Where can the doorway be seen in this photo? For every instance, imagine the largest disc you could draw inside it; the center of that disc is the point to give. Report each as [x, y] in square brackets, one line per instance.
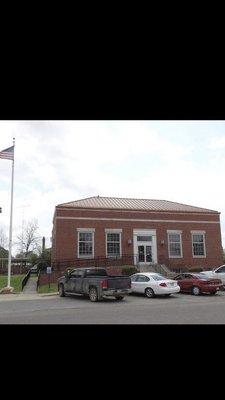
[145, 249]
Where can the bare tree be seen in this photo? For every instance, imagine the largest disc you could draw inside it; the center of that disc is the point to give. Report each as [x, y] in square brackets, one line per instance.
[29, 238]
[3, 239]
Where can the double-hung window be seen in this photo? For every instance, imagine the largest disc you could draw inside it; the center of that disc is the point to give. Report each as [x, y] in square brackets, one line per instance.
[198, 244]
[113, 243]
[85, 243]
[175, 244]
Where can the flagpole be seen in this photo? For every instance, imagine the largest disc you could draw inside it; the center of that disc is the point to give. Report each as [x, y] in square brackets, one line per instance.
[11, 219]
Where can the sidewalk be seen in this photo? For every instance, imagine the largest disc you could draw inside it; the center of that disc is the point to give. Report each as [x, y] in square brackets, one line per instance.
[28, 296]
[31, 285]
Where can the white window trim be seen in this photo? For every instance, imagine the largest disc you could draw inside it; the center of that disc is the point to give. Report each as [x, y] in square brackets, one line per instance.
[88, 230]
[181, 243]
[143, 232]
[107, 230]
[119, 231]
[204, 246]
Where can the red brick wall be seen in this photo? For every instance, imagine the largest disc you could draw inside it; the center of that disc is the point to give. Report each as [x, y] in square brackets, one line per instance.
[65, 238]
[45, 278]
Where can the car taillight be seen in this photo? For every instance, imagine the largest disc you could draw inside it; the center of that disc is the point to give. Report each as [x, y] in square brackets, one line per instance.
[163, 284]
[104, 284]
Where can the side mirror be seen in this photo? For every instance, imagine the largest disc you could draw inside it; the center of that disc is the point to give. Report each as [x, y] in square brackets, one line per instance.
[67, 275]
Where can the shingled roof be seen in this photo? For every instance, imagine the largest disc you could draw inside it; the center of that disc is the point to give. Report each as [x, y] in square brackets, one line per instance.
[133, 204]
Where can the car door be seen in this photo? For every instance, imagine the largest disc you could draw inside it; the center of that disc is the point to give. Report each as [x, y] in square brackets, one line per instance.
[188, 282]
[79, 281]
[220, 273]
[71, 283]
[180, 281]
[141, 283]
[134, 283]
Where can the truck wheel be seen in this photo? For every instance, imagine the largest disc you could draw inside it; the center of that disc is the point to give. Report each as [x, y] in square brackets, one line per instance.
[93, 294]
[119, 297]
[61, 290]
[196, 291]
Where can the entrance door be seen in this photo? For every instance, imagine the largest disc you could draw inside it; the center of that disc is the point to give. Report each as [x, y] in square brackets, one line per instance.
[145, 248]
[144, 253]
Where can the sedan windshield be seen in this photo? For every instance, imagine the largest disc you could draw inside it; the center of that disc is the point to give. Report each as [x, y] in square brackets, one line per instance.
[158, 277]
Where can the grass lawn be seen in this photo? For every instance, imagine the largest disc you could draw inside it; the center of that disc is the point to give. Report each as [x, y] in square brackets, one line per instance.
[15, 282]
[46, 289]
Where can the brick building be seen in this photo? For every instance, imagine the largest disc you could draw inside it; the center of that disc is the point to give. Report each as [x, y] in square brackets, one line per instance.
[143, 230]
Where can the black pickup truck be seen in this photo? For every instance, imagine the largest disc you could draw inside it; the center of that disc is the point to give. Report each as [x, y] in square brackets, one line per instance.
[95, 283]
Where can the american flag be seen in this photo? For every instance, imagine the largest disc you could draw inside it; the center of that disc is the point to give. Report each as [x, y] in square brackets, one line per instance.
[7, 153]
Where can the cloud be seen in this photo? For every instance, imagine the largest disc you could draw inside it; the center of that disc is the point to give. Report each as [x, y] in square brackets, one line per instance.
[61, 161]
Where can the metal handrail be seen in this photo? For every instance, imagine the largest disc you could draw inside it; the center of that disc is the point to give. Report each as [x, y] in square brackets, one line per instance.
[130, 259]
[25, 279]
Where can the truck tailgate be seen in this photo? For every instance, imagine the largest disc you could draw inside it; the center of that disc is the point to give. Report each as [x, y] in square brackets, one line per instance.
[119, 282]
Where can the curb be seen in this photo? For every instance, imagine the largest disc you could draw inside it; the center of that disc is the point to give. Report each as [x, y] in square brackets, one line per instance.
[48, 294]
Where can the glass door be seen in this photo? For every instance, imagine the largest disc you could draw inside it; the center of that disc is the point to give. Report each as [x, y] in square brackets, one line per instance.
[144, 253]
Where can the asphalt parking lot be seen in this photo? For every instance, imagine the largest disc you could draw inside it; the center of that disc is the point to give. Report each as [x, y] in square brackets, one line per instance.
[134, 309]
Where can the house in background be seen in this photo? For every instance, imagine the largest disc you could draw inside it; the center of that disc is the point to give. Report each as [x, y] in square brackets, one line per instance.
[144, 231]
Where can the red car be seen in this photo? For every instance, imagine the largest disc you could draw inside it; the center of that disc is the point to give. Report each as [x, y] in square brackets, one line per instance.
[197, 284]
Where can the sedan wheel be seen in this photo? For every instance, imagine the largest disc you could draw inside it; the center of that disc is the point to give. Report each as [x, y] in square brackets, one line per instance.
[149, 293]
[196, 291]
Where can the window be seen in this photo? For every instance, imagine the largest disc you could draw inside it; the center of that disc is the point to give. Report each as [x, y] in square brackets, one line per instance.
[86, 248]
[96, 272]
[113, 244]
[178, 277]
[188, 276]
[144, 238]
[220, 270]
[76, 274]
[134, 278]
[198, 244]
[158, 277]
[174, 244]
[142, 278]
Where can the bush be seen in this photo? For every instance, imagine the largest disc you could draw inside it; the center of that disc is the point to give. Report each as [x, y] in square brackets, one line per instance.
[129, 271]
[195, 269]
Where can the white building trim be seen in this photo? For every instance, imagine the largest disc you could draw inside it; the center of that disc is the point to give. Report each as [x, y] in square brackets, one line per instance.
[139, 220]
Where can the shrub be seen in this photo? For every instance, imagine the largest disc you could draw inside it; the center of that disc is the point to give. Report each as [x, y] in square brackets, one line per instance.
[129, 270]
[195, 269]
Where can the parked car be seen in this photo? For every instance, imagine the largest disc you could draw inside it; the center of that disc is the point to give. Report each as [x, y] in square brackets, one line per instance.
[94, 282]
[197, 283]
[151, 284]
[218, 273]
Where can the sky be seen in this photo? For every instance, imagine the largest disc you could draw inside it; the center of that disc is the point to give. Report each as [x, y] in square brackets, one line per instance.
[63, 161]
